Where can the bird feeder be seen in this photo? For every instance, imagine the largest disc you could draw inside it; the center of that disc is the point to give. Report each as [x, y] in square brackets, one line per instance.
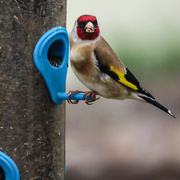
[51, 59]
[8, 168]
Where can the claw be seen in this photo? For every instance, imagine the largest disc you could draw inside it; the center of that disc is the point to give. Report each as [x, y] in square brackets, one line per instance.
[73, 102]
[73, 93]
[91, 94]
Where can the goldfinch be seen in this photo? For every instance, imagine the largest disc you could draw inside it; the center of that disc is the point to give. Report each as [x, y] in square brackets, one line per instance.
[98, 67]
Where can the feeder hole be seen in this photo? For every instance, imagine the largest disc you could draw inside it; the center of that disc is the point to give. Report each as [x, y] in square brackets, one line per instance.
[2, 174]
[56, 53]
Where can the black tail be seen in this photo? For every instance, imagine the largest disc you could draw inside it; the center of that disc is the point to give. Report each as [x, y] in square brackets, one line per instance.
[155, 103]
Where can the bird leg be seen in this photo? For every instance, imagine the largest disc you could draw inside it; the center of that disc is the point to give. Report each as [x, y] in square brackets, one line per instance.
[87, 94]
[92, 95]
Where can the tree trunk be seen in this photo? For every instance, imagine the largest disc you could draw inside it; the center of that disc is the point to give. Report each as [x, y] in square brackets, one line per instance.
[32, 127]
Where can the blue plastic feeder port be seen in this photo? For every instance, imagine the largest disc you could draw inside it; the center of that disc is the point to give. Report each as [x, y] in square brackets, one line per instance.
[8, 168]
[51, 59]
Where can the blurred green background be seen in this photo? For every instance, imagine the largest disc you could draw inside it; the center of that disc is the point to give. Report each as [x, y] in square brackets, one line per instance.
[129, 139]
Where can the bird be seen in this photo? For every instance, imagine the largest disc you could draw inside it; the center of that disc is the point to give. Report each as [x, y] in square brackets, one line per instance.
[98, 67]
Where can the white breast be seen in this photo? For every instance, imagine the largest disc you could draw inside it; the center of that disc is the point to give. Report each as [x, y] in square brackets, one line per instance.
[75, 56]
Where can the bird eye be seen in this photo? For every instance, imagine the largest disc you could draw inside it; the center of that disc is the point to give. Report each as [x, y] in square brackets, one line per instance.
[95, 23]
[81, 24]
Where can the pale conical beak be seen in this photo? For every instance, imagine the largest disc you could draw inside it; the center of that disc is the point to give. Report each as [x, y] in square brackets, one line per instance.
[89, 28]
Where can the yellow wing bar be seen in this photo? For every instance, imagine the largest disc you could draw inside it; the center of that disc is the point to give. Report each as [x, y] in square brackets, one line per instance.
[122, 79]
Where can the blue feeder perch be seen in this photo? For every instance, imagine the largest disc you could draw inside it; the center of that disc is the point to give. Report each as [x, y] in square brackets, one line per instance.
[51, 59]
[9, 167]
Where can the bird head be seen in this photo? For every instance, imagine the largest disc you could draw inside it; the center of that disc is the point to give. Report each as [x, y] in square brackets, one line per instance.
[87, 28]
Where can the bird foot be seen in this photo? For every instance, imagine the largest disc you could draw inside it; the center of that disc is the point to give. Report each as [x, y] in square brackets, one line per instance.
[87, 94]
[73, 93]
[92, 95]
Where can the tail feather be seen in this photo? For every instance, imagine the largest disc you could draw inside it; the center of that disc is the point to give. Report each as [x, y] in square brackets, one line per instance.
[152, 101]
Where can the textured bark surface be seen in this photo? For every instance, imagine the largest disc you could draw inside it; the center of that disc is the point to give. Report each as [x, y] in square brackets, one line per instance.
[31, 125]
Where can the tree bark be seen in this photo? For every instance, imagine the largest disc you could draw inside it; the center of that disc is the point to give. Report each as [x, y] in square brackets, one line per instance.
[32, 127]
